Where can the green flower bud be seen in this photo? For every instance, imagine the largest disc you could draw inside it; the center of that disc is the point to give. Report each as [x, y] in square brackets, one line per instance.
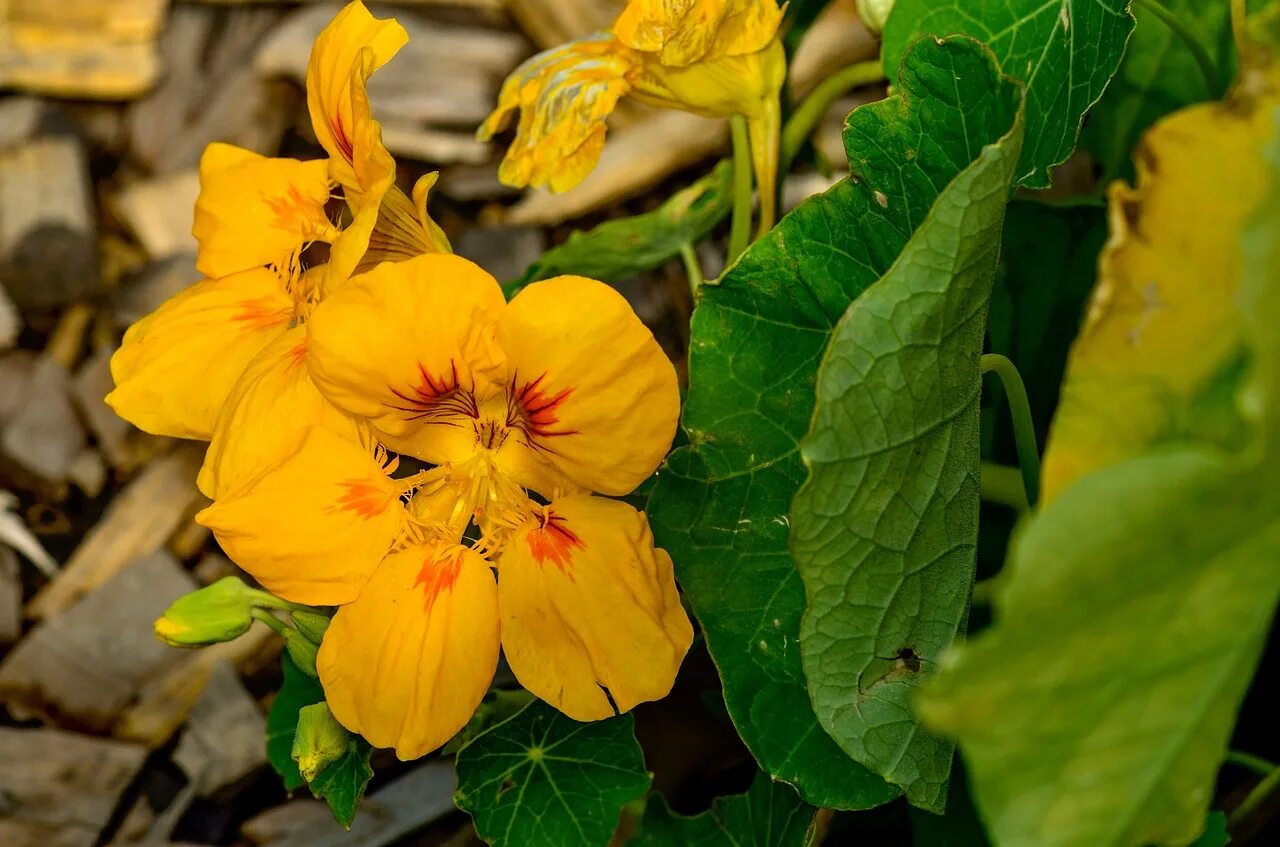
[219, 612]
[874, 13]
[311, 624]
[301, 650]
[319, 741]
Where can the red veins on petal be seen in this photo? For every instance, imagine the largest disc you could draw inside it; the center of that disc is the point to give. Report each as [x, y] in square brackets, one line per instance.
[436, 397]
[340, 138]
[297, 356]
[362, 497]
[554, 542]
[439, 573]
[262, 313]
[535, 408]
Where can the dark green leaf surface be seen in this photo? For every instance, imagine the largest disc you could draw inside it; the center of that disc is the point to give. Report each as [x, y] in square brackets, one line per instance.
[770, 814]
[1215, 832]
[342, 783]
[722, 504]
[541, 779]
[1158, 76]
[298, 690]
[1065, 50]
[885, 530]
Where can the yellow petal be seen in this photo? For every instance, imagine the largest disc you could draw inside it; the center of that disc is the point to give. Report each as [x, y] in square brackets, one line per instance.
[314, 527]
[407, 346]
[254, 211]
[563, 97]
[271, 407]
[177, 365]
[593, 392]
[681, 32]
[408, 662]
[404, 229]
[344, 56]
[587, 604]
[731, 85]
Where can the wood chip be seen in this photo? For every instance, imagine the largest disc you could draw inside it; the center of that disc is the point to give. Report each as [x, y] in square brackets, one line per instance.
[59, 789]
[16, 369]
[836, 40]
[45, 436]
[10, 597]
[86, 48]
[223, 740]
[145, 293]
[88, 472]
[551, 23]
[395, 810]
[503, 251]
[138, 522]
[19, 118]
[92, 383]
[160, 213]
[10, 322]
[48, 241]
[436, 146]
[82, 667]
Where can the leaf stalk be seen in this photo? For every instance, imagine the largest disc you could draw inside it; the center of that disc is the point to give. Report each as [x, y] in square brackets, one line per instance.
[1024, 431]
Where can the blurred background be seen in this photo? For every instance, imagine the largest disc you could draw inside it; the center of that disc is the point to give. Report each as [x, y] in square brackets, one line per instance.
[106, 735]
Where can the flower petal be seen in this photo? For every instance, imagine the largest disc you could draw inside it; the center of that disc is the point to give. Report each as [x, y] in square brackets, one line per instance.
[682, 32]
[563, 97]
[408, 662]
[343, 57]
[588, 605]
[178, 364]
[407, 346]
[272, 405]
[254, 211]
[731, 85]
[593, 392]
[313, 528]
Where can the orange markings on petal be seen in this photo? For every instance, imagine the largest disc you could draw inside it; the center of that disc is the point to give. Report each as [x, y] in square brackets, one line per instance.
[364, 498]
[439, 573]
[263, 313]
[554, 542]
[536, 408]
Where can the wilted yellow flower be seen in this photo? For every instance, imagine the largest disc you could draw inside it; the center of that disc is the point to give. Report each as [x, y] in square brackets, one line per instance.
[711, 57]
[501, 399]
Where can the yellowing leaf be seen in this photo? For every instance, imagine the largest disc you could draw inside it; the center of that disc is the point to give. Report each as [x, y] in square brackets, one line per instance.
[1163, 319]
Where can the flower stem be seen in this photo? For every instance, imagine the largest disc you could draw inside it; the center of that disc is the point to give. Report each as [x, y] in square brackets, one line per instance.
[764, 132]
[1208, 68]
[814, 107]
[277, 625]
[1002, 484]
[1260, 794]
[1257, 764]
[1024, 431]
[692, 267]
[740, 231]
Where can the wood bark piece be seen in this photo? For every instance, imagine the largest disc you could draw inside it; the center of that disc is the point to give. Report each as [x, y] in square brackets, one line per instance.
[395, 810]
[160, 213]
[138, 522]
[45, 435]
[10, 596]
[146, 292]
[92, 383]
[48, 241]
[59, 789]
[19, 119]
[223, 740]
[16, 369]
[82, 667]
[551, 23]
[10, 322]
[80, 48]
[503, 251]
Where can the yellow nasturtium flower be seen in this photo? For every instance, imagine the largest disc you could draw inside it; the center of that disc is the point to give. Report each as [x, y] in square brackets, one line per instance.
[501, 400]
[711, 57]
[224, 354]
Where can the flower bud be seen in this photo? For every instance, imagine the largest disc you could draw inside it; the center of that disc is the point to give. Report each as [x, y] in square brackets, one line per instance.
[319, 741]
[311, 624]
[301, 649]
[219, 612]
[874, 13]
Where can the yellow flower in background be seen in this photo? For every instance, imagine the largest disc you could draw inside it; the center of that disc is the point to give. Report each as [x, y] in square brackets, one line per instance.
[501, 399]
[712, 57]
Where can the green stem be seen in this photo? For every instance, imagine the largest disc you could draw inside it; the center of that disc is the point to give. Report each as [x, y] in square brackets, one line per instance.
[1002, 484]
[1257, 764]
[1198, 52]
[277, 625]
[740, 231]
[692, 267]
[814, 108]
[1239, 13]
[1024, 431]
[1260, 794]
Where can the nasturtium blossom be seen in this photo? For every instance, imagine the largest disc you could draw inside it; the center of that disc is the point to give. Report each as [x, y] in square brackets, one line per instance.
[711, 57]
[519, 411]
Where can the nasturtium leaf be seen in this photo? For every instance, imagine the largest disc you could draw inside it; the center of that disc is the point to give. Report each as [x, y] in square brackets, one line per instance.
[1096, 710]
[342, 782]
[1215, 832]
[1064, 50]
[1163, 319]
[540, 779]
[1159, 75]
[885, 529]
[297, 691]
[769, 814]
[617, 249]
[722, 504]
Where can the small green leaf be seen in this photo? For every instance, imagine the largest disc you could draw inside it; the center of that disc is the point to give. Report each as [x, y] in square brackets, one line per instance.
[770, 814]
[722, 504]
[885, 529]
[342, 782]
[1065, 50]
[1215, 832]
[541, 779]
[298, 690]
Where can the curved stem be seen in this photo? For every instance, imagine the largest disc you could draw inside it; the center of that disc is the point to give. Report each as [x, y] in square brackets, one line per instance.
[1024, 431]
[692, 267]
[1260, 794]
[740, 232]
[1257, 764]
[814, 107]
[277, 625]
[1208, 68]
[1002, 484]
